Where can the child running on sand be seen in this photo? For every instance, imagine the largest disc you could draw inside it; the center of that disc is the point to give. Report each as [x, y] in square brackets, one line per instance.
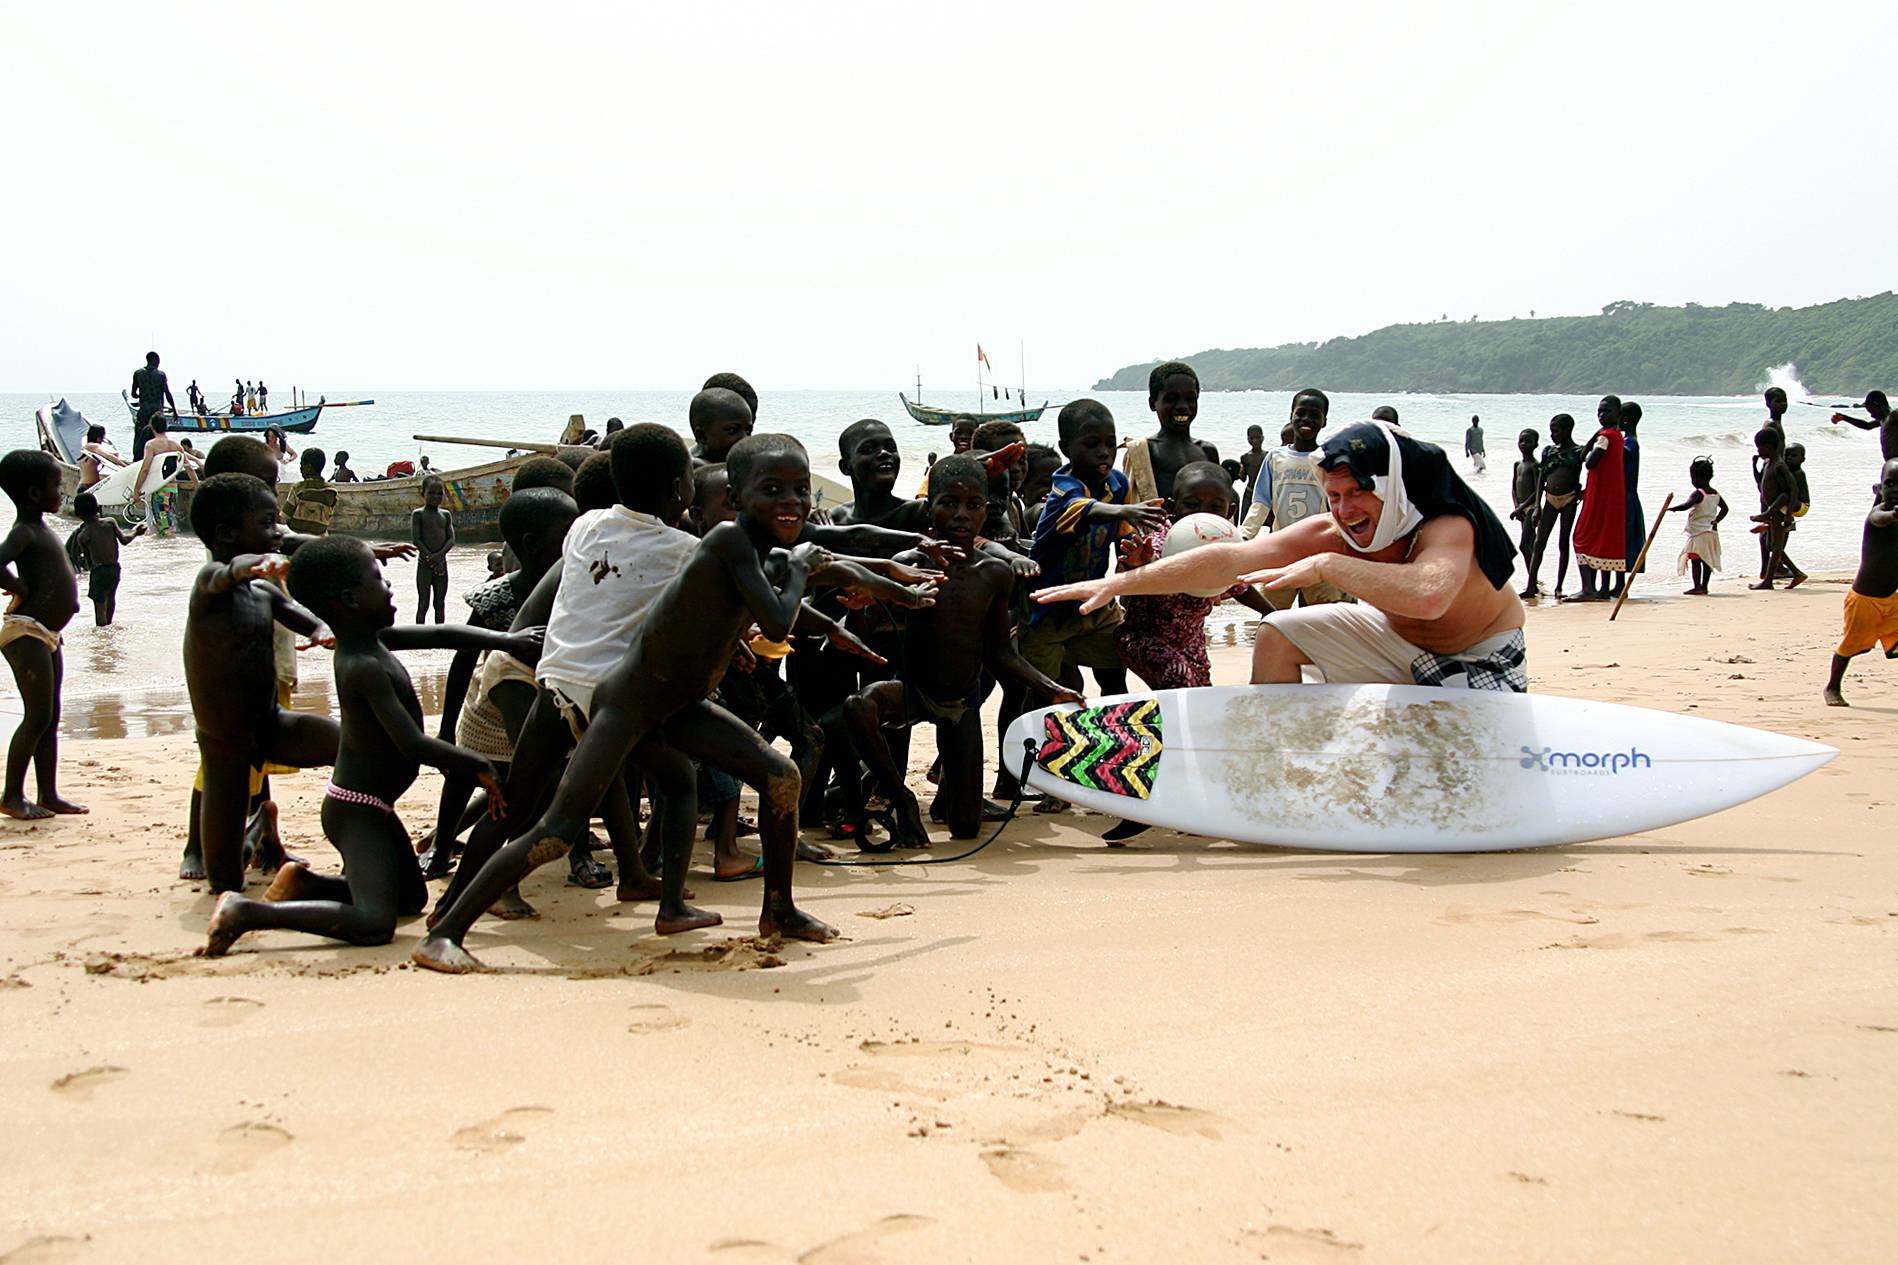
[946, 651]
[382, 748]
[96, 541]
[1871, 607]
[1704, 507]
[231, 666]
[432, 532]
[34, 569]
[1162, 639]
[739, 574]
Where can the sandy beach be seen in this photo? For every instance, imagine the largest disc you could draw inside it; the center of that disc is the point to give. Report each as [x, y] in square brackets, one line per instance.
[1673, 1047]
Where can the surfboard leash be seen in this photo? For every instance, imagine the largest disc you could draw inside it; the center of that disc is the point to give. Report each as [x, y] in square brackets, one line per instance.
[1021, 786]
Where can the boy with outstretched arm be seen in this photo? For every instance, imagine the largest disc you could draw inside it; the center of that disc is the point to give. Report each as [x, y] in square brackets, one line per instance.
[739, 574]
[382, 747]
[231, 666]
[36, 572]
[1151, 463]
[946, 650]
[97, 540]
[1871, 607]
[1086, 512]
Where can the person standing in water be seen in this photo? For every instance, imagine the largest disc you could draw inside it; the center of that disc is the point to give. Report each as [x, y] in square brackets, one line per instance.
[1473, 444]
[151, 393]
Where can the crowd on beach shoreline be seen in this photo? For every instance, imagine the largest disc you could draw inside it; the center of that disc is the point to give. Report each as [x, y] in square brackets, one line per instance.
[664, 613]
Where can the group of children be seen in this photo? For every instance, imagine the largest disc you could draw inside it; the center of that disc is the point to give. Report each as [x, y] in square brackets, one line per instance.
[665, 611]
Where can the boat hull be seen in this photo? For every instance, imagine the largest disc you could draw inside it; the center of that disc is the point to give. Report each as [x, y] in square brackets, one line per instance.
[931, 416]
[299, 421]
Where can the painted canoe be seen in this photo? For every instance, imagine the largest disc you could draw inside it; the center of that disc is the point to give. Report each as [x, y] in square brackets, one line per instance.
[300, 421]
[929, 415]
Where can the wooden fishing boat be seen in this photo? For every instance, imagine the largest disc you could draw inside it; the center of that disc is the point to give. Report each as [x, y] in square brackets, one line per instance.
[296, 421]
[929, 415]
[376, 510]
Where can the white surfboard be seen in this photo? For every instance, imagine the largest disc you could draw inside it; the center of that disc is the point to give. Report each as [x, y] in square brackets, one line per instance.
[115, 491]
[1398, 768]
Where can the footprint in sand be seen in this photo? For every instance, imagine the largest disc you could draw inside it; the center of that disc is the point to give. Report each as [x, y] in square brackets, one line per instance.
[78, 1086]
[1290, 1243]
[931, 1069]
[1187, 1122]
[656, 1017]
[242, 1146]
[223, 1012]
[1024, 1172]
[47, 1249]
[865, 1246]
[491, 1137]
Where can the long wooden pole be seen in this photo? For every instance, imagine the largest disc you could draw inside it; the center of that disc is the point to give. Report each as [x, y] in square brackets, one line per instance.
[1642, 556]
[522, 444]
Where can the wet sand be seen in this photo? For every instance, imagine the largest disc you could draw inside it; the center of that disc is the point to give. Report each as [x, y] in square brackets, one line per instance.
[1677, 1046]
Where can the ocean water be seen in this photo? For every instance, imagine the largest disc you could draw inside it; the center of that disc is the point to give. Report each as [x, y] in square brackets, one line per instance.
[127, 679]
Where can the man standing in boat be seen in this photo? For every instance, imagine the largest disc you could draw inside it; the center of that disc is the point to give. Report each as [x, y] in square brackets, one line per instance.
[151, 393]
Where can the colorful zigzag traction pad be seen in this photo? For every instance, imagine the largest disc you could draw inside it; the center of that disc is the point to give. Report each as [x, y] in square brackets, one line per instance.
[1115, 749]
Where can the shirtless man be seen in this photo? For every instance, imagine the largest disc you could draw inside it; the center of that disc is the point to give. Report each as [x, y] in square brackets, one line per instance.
[1884, 421]
[1424, 555]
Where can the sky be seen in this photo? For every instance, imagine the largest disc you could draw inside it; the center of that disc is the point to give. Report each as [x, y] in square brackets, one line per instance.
[589, 196]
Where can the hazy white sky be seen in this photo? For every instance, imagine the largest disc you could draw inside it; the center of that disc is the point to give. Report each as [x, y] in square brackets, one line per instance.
[554, 195]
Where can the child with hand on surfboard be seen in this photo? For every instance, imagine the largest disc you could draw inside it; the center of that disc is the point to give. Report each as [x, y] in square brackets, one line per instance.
[947, 649]
[1163, 636]
[1871, 607]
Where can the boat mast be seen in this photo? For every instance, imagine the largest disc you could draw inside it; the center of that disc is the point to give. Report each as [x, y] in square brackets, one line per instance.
[1021, 358]
[919, 384]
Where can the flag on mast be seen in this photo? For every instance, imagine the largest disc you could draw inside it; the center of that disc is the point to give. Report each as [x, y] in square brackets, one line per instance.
[983, 356]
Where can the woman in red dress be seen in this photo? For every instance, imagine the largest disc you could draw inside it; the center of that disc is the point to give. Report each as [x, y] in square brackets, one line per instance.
[1601, 530]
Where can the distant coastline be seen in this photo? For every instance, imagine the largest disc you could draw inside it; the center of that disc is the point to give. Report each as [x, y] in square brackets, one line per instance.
[1844, 347]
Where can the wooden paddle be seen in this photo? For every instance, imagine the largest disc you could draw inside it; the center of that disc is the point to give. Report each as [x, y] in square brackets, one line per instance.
[1642, 556]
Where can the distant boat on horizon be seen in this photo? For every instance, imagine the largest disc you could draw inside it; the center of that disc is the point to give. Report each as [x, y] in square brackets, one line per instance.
[931, 415]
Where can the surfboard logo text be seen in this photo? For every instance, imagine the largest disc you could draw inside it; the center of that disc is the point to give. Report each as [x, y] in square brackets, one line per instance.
[1549, 760]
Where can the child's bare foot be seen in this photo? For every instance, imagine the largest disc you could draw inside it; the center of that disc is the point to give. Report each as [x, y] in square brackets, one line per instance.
[813, 852]
[1764, 586]
[191, 865]
[57, 803]
[224, 929]
[671, 922]
[288, 883]
[1791, 584]
[261, 841]
[513, 907]
[439, 953]
[22, 808]
[1834, 698]
[794, 924]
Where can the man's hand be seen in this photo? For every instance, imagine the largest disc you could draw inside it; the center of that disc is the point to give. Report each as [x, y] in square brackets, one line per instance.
[528, 641]
[1024, 567]
[841, 638]
[1143, 516]
[1301, 574]
[812, 558]
[1065, 697]
[1136, 551]
[1091, 594]
[385, 553]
